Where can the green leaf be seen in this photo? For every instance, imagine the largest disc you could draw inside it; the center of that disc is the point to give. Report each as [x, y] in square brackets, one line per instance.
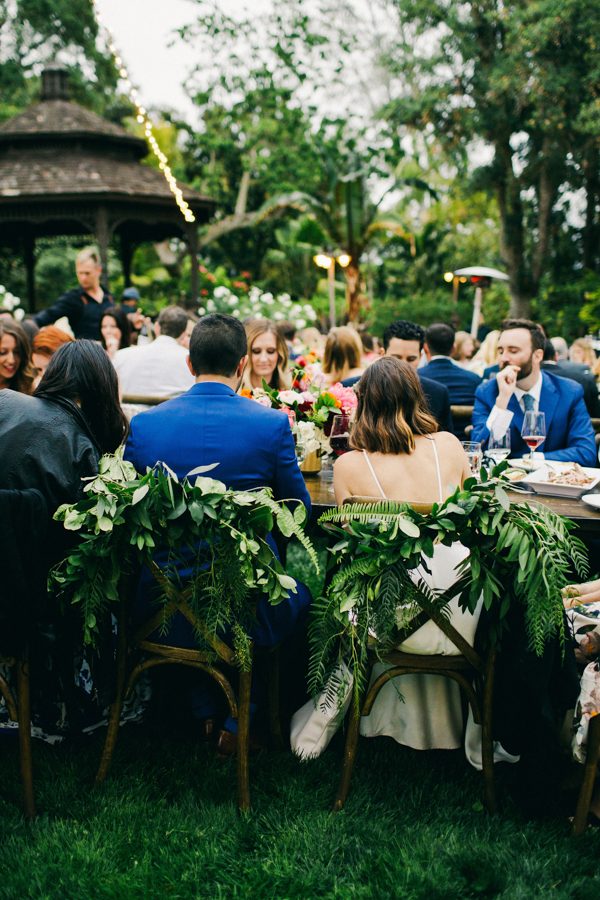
[287, 582]
[210, 485]
[139, 494]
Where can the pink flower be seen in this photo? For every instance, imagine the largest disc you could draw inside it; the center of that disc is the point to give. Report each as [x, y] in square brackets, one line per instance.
[346, 397]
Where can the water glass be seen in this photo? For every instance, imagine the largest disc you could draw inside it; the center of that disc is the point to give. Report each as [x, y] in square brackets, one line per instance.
[498, 447]
[474, 454]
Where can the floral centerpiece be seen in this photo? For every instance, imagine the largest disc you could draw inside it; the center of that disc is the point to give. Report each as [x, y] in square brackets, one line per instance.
[311, 411]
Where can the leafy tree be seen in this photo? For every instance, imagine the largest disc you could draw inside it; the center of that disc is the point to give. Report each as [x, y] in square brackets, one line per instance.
[519, 80]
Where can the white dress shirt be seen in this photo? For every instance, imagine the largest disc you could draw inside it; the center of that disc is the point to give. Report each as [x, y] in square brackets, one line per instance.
[158, 369]
[498, 421]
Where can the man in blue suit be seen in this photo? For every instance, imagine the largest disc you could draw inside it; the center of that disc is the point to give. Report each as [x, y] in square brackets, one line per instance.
[521, 384]
[211, 423]
[461, 384]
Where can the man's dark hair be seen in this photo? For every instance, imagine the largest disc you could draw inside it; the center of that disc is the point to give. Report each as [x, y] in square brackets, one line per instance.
[549, 352]
[538, 338]
[173, 321]
[217, 344]
[404, 331]
[440, 339]
[287, 330]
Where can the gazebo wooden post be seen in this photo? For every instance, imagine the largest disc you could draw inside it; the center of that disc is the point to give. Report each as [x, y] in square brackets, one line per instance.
[126, 254]
[29, 260]
[192, 240]
[102, 232]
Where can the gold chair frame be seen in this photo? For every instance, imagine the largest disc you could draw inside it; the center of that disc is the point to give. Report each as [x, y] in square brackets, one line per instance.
[19, 710]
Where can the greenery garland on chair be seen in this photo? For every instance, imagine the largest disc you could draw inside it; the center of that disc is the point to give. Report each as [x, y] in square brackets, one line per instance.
[521, 554]
[124, 518]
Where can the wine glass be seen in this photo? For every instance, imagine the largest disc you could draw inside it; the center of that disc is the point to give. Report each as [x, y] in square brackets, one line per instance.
[498, 447]
[340, 434]
[533, 431]
[473, 451]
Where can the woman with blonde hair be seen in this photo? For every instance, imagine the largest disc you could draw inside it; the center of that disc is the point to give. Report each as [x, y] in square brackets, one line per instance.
[581, 351]
[343, 354]
[267, 356]
[487, 355]
[464, 348]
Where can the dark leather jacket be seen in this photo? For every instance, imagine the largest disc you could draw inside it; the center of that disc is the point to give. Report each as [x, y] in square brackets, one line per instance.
[45, 444]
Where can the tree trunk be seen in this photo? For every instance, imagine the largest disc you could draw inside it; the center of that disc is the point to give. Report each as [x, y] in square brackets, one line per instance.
[355, 299]
[512, 244]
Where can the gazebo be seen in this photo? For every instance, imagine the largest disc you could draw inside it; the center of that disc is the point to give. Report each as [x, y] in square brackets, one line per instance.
[66, 171]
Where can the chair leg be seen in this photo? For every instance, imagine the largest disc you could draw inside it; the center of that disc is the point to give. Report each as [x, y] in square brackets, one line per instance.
[349, 754]
[24, 720]
[116, 706]
[243, 740]
[487, 736]
[274, 699]
[589, 776]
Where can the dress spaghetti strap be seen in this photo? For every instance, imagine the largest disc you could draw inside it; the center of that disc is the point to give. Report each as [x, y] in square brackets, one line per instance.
[375, 478]
[437, 467]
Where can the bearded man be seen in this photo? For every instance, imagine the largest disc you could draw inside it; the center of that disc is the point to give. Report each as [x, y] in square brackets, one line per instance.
[521, 385]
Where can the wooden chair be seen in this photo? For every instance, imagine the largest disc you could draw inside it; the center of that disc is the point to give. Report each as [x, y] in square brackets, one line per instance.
[590, 772]
[26, 518]
[473, 672]
[19, 710]
[145, 651]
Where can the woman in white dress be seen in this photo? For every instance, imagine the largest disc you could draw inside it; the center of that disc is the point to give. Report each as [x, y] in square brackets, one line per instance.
[399, 455]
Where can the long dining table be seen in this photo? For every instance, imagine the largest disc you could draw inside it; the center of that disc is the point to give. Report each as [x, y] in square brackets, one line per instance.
[586, 519]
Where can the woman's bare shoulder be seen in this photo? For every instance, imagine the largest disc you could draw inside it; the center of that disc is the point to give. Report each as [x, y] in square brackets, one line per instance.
[348, 462]
[448, 441]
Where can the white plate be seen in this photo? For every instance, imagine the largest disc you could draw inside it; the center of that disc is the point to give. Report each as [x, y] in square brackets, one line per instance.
[592, 500]
[538, 480]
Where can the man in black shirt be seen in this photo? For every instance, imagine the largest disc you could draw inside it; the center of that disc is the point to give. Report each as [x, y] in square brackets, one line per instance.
[85, 305]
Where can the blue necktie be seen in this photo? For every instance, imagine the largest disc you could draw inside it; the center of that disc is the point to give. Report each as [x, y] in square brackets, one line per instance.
[528, 403]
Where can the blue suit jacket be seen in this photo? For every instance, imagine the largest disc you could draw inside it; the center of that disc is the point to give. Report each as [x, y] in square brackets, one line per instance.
[461, 383]
[253, 446]
[569, 431]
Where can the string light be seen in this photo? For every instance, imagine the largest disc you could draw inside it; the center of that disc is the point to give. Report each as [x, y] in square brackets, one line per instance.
[143, 119]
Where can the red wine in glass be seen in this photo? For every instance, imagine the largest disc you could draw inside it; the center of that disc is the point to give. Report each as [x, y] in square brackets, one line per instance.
[339, 443]
[533, 441]
[533, 431]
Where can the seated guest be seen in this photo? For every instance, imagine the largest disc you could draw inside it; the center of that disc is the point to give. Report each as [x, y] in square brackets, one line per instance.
[48, 443]
[405, 340]
[158, 369]
[16, 372]
[267, 356]
[342, 357]
[253, 445]
[580, 374]
[115, 330]
[582, 352]
[461, 384]
[485, 361]
[45, 343]
[464, 348]
[399, 455]
[521, 385]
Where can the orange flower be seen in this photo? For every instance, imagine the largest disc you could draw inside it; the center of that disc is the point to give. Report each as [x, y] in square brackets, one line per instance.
[246, 392]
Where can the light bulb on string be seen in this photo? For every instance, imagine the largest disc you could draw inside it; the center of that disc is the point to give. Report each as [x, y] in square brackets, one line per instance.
[143, 119]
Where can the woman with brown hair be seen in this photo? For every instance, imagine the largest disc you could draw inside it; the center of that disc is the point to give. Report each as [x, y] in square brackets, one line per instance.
[398, 452]
[343, 354]
[267, 356]
[15, 358]
[399, 455]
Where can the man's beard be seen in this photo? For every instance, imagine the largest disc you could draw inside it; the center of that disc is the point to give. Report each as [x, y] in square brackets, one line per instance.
[525, 370]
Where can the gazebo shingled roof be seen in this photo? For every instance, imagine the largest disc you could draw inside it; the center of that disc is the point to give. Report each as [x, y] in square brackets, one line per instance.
[66, 170]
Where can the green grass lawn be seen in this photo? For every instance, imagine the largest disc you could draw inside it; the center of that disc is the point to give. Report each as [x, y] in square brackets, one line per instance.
[165, 825]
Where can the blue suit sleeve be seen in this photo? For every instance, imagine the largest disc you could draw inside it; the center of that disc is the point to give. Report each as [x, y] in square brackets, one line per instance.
[581, 440]
[131, 453]
[289, 481]
[482, 407]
